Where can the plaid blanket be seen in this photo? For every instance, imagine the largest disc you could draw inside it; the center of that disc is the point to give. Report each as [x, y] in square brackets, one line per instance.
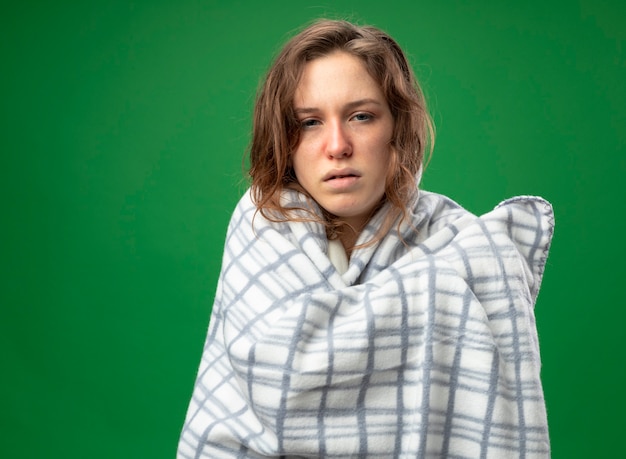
[425, 347]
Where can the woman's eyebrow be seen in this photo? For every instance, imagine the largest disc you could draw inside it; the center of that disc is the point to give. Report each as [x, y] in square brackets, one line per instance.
[305, 110]
[360, 102]
[348, 106]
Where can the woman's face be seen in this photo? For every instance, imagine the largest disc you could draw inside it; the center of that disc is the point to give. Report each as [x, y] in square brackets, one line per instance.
[346, 128]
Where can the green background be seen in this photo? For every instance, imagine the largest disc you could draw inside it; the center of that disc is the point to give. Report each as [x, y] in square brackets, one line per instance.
[123, 128]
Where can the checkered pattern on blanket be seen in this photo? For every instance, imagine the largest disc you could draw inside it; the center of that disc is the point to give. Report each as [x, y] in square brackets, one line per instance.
[425, 347]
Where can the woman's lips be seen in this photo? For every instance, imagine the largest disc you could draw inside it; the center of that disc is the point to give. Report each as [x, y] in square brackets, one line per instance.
[341, 179]
[341, 174]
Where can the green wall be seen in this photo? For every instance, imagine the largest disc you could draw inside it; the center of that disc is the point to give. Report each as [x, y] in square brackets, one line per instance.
[123, 127]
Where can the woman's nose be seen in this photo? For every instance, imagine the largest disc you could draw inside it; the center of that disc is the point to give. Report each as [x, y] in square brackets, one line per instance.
[338, 144]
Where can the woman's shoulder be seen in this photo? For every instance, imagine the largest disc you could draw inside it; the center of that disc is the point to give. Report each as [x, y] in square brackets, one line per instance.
[434, 210]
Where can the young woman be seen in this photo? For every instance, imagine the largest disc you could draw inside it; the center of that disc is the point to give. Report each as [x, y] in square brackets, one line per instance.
[354, 315]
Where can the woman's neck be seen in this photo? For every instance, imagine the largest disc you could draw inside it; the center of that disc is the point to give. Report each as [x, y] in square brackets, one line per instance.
[348, 238]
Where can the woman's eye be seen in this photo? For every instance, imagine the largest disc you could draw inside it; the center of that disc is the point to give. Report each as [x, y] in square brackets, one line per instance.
[362, 117]
[309, 123]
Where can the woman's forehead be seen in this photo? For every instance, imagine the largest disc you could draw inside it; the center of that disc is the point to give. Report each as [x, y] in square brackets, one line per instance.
[339, 77]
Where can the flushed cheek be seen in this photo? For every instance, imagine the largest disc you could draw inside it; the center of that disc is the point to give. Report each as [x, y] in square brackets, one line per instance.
[306, 177]
[306, 166]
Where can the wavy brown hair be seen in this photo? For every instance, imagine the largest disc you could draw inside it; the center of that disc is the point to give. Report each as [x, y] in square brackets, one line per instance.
[276, 130]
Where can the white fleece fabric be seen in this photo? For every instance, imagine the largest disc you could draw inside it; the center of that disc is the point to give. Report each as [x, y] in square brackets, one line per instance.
[426, 345]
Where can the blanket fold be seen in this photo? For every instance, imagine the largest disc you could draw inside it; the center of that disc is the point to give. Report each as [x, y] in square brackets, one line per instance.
[425, 347]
